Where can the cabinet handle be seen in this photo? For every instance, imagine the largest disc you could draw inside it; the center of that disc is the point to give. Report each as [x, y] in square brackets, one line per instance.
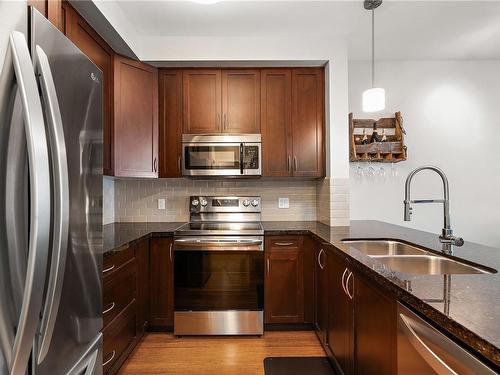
[155, 164]
[109, 308]
[319, 259]
[218, 121]
[225, 121]
[109, 269]
[295, 163]
[343, 281]
[283, 243]
[351, 295]
[288, 163]
[179, 164]
[170, 251]
[268, 266]
[110, 359]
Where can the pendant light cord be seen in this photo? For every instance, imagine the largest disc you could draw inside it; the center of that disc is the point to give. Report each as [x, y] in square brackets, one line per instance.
[373, 48]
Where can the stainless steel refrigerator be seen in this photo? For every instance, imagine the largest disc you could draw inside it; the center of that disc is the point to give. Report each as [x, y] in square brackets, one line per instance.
[50, 205]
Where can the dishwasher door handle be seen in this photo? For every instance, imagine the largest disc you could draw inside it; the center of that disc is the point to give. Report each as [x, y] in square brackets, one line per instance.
[426, 340]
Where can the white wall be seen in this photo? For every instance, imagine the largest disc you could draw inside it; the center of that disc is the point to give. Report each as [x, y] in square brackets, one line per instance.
[452, 116]
[13, 16]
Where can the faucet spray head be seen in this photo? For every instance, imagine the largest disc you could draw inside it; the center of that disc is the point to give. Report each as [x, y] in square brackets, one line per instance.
[408, 210]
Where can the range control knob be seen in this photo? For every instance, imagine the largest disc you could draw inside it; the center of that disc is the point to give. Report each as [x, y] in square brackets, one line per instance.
[246, 203]
[255, 202]
[195, 202]
[203, 202]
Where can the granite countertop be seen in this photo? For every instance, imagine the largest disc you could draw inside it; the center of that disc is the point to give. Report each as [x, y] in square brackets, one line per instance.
[472, 311]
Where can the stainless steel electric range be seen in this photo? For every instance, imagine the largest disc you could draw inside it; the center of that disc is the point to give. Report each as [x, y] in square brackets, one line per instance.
[219, 268]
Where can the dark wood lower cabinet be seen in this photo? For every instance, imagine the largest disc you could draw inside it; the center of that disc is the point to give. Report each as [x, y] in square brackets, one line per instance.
[321, 294]
[125, 303]
[376, 330]
[340, 313]
[162, 284]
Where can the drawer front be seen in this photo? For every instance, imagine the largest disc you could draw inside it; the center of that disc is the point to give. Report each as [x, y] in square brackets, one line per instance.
[275, 243]
[119, 336]
[118, 291]
[113, 262]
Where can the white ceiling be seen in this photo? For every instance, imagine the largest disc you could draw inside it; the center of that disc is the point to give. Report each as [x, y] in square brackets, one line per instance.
[404, 29]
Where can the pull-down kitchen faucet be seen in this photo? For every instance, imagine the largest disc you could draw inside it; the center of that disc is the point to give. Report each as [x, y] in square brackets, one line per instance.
[446, 236]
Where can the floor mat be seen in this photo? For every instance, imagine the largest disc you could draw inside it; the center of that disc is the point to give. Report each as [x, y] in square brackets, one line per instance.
[297, 366]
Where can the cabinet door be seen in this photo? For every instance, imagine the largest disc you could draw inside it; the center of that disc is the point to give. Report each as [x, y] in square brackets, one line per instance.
[202, 101]
[142, 255]
[376, 330]
[321, 295]
[135, 119]
[161, 284]
[340, 315]
[98, 51]
[276, 122]
[307, 122]
[241, 101]
[170, 98]
[284, 282]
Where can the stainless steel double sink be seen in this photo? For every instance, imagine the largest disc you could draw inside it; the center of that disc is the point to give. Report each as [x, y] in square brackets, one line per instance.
[413, 260]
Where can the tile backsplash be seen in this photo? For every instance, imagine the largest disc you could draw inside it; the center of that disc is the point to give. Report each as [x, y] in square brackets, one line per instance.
[137, 200]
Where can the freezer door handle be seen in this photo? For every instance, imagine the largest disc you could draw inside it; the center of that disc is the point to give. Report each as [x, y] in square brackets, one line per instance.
[60, 184]
[17, 347]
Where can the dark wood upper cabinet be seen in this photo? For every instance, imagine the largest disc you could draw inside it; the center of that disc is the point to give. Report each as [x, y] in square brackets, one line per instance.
[341, 313]
[170, 122]
[376, 330]
[293, 122]
[101, 54]
[202, 101]
[241, 101]
[307, 122]
[162, 284]
[135, 140]
[284, 280]
[276, 124]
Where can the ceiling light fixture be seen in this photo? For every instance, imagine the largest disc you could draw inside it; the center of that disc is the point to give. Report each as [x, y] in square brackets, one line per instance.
[206, 2]
[374, 98]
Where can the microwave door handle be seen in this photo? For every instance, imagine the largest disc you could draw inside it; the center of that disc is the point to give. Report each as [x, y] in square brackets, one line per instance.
[241, 158]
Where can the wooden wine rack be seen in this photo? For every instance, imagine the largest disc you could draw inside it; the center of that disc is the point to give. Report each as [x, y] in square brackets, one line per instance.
[392, 151]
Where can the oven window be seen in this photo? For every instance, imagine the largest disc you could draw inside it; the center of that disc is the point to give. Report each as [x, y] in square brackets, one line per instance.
[212, 157]
[219, 280]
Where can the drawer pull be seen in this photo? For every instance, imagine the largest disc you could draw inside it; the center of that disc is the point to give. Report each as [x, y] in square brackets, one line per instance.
[283, 243]
[109, 269]
[110, 359]
[109, 308]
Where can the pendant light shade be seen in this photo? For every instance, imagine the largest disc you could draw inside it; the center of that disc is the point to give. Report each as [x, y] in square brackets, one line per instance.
[374, 100]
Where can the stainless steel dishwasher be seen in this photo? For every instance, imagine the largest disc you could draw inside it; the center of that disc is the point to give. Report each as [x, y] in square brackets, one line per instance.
[423, 350]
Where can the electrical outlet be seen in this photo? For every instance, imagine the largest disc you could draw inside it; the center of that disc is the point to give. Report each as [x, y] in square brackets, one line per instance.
[283, 203]
[161, 203]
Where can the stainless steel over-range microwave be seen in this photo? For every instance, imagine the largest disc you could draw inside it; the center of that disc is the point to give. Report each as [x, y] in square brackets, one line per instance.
[221, 155]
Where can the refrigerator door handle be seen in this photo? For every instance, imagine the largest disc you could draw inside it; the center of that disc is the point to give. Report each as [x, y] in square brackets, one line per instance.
[91, 360]
[40, 206]
[60, 183]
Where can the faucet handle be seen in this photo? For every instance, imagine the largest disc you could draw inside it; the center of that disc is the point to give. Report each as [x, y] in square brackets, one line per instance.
[408, 211]
[458, 241]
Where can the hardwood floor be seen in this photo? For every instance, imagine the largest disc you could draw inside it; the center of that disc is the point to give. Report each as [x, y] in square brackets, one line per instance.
[161, 353]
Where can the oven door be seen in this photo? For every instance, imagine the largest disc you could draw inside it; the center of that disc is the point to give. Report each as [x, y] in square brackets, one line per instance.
[221, 159]
[218, 274]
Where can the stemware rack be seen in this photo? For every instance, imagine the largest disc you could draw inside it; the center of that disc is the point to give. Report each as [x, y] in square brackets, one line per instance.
[392, 151]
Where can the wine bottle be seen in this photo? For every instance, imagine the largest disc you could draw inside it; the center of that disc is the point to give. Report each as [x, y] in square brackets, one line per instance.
[364, 141]
[384, 137]
[375, 137]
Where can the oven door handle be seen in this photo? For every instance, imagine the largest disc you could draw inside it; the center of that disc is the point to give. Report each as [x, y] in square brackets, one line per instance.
[217, 242]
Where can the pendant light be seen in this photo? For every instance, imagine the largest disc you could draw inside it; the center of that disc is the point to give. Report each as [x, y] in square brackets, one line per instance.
[374, 98]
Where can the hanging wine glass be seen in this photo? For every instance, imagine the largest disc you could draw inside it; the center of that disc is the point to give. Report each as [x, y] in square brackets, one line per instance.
[394, 171]
[381, 174]
[358, 172]
[371, 172]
